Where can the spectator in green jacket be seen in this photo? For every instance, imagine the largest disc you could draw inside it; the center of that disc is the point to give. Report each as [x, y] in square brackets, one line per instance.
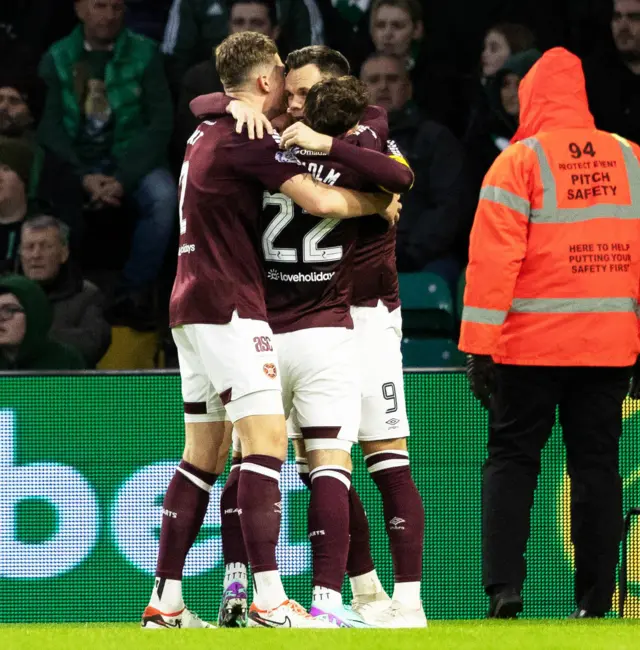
[25, 321]
[108, 113]
[196, 27]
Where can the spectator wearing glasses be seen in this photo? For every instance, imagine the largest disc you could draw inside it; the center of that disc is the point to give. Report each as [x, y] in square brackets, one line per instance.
[25, 323]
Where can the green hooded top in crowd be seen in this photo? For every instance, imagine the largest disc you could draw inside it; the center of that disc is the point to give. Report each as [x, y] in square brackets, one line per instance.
[38, 351]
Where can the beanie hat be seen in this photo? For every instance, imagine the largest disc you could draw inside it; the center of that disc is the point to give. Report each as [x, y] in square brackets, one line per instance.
[30, 87]
[18, 156]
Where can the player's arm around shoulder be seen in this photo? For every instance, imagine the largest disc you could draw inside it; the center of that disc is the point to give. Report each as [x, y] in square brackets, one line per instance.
[359, 151]
[338, 203]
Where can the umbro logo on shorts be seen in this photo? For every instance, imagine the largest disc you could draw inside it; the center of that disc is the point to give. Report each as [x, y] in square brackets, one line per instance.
[270, 370]
[392, 422]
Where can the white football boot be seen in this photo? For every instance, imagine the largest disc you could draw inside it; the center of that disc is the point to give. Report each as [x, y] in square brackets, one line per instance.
[371, 606]
[399, 616]
[288, 614]
[153, 619]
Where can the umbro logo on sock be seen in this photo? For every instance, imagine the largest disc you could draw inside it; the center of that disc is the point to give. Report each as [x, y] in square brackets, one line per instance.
[395, 523]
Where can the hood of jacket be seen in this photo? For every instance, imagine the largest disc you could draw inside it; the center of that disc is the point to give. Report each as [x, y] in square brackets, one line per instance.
[553, 96]
[38, 313]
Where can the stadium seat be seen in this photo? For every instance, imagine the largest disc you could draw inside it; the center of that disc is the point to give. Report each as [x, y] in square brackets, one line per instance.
[431, 353]
[131, 350]
[427, 306]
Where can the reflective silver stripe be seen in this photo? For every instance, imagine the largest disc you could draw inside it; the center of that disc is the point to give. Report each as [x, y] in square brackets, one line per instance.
[551, 213]
[506, 198]
[572, 305]
[484, 316]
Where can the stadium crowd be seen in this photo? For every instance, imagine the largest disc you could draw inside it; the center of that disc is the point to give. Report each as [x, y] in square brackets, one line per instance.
[94, 119]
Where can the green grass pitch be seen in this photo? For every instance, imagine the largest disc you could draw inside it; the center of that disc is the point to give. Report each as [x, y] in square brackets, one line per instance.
[468, 635]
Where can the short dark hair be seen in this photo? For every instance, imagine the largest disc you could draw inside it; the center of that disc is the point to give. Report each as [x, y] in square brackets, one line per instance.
[269, 4]
[412, 7]
[239, 53]
[330, 62]
[334, 106]
[374, 56]
[519, 37]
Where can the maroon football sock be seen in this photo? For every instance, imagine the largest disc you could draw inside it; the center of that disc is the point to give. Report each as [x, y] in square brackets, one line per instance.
[303, 471]
[184, 507]
[233, 549]
[329, 525]
[359, 560]
[403, 512]
[259, 502]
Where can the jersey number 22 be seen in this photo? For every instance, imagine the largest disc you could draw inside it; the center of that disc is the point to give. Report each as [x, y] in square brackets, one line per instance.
[311, 251]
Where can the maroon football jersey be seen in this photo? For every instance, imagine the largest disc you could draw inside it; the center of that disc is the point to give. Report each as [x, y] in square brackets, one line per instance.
[309, 260]
[375, 276]
[222, 182]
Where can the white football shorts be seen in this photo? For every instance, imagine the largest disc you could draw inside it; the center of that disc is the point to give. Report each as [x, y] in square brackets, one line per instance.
[320, 386]
[378, 333]
[229, 371]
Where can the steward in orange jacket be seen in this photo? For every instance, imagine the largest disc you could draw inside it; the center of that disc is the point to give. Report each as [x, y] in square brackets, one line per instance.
[551, 320]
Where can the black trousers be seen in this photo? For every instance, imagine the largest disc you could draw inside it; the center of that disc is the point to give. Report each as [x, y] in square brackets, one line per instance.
[523, 414]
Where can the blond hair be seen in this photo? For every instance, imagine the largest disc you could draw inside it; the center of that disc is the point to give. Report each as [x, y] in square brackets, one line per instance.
[239, 53]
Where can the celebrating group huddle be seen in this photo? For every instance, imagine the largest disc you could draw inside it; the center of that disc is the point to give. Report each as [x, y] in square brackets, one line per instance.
[286, 317]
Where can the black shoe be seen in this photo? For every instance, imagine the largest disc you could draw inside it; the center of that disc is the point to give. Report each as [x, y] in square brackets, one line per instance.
[505, 603]
[584, 613]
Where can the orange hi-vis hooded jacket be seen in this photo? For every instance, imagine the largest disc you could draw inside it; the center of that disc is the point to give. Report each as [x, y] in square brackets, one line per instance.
[554, 260]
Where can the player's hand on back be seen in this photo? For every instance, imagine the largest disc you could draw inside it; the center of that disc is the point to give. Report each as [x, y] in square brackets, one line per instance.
[390, 208]
[255, 121]
[306, 138]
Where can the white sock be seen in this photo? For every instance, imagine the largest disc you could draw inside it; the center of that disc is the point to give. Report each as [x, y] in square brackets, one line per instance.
[167, 596]
[268, 591]
[235, 572]
[324, 598]
[407, 594]
[367, 584]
